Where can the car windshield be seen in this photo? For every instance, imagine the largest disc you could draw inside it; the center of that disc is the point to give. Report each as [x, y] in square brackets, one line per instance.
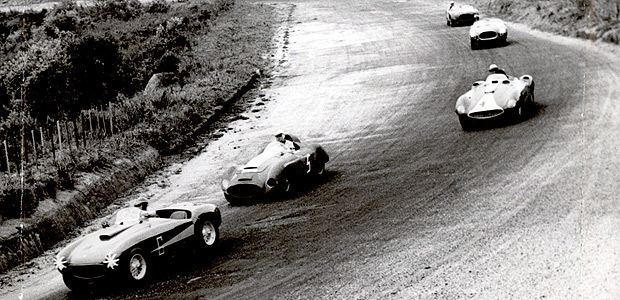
[497, 77]
[128, 215]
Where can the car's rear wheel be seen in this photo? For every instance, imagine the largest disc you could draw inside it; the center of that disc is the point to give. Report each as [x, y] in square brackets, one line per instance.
[207, 233]
[136, 266]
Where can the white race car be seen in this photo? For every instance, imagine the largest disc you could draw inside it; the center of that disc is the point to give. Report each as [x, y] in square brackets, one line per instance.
[457, 14]
[497, 96]
[491, 31]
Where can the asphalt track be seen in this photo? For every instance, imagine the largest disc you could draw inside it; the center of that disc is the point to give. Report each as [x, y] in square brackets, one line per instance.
[411, 207]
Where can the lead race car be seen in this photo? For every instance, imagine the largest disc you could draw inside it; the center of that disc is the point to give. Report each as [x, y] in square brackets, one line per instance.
[497, 96]
[457, 14]
[273, 173]
[490, 31]
[126, 250]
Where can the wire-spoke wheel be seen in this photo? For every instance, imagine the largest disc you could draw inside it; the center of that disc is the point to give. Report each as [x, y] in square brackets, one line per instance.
[207, 233]
[137, 265]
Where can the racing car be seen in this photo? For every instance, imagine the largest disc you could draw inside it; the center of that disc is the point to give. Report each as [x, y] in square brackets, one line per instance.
[491, 31]
[457, 14]
[272, 174]
[126, 250]
[497, 96]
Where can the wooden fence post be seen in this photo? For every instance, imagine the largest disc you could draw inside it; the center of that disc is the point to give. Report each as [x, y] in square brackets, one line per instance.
[6, 153]
[42, 141]
[103, 120]
[83, 130]
[111, 118]
[59, 136]
[34, 146]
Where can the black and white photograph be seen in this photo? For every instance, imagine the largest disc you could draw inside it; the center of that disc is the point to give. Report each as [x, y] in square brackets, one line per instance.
[309, 149]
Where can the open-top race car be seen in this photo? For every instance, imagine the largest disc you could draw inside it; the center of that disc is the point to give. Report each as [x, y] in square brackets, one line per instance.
[126, 250]
[273, 173]
[491, 31]
[457, 14]
[499, 95]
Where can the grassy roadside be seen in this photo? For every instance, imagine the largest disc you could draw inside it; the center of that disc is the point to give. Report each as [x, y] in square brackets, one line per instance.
[209, 48]
[221, 59]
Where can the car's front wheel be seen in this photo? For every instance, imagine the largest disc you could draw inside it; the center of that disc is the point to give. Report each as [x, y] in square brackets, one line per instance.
[474, 44]
[466, 123]
[207, 233]
[135, 266]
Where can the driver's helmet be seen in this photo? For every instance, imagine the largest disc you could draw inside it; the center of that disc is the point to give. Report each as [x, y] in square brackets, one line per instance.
[493, 67]
[141, 203]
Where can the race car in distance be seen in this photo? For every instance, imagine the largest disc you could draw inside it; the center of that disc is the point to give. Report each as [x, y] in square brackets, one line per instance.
[491, 31]
[126, 250]
[457, 14]
[498, 96]
[273, 173]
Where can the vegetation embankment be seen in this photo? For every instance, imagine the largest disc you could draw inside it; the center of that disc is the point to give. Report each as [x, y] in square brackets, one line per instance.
[597, 20]
[74, 111]
[72, 81]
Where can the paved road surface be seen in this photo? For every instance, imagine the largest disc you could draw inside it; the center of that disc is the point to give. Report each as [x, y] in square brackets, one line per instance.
[411, 207]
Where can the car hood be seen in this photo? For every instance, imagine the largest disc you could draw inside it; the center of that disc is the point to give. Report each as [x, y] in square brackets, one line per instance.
[458, 10]
[493, 94]
[93, 248]
[482, 25]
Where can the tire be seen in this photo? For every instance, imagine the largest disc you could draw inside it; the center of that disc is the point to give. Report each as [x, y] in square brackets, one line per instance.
[207, 233]
[286, 187]
[474, 44]
[466, 123]
[449, 22]
[319, 169]
[135, 266]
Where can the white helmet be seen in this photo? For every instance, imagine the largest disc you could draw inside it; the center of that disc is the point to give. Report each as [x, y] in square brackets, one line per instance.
[280, 132]
[493, 67]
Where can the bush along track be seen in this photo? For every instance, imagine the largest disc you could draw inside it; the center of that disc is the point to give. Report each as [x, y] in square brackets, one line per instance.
[212, 51]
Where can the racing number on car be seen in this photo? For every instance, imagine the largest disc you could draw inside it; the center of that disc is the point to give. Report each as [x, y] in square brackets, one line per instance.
[160, 249]
[308, 162]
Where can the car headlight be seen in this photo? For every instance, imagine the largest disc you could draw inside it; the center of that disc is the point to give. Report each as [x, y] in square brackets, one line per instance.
[511, 104]
[272, 182]
[60, 262]
[225, 183]
[111, 260]
[460, 109]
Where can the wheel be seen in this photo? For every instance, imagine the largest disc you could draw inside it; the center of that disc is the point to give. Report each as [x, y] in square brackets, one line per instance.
[449, 22]
[466, 123]
[474, 44]
[136, 266]
[319, 169]
[207, 233]
[286, 186]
